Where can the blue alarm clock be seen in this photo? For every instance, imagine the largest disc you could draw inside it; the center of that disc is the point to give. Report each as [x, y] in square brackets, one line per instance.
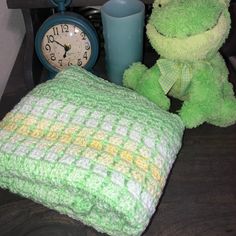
[66, 39]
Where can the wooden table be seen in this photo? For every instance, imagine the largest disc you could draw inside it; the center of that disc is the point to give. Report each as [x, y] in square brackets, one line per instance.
[199, 198]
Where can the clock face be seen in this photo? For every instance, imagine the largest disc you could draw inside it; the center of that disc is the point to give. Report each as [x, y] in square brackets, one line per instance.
[64, 45]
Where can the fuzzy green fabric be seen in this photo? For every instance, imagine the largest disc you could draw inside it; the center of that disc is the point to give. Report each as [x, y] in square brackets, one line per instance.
[89, 149]
[194, 47]
[187, 35]
[203, 15]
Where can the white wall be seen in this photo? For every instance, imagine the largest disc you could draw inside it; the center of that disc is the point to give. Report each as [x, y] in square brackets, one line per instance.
[11, 35]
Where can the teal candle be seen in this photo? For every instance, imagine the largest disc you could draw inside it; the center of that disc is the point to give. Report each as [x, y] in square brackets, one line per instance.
[123, 24]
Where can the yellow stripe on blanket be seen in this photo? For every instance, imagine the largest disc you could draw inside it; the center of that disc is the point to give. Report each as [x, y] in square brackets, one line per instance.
[84, 138]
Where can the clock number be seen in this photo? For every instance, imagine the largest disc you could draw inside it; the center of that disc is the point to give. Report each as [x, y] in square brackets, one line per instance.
[55, 31]
[53, 57]
[65, 28]
[87, 46]
[85, 56]
[76, 30]
[83, 35]
[48, 47]
[70, 64]
[50, 38]
[60, 62]
[79, 63]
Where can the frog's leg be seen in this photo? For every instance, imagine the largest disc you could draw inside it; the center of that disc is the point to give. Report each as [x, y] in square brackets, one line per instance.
[225, 114]
[209, 102]
[133, 74]
[145, 82]
[228, 91]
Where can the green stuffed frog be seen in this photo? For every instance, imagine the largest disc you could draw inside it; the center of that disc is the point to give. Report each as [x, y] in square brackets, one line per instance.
[187, 34]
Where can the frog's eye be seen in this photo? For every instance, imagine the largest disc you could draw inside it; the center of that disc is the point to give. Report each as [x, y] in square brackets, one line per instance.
[161, 3]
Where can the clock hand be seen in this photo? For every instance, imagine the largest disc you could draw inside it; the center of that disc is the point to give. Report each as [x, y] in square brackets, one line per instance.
[64, 46]
[59, 44]
[67, 48]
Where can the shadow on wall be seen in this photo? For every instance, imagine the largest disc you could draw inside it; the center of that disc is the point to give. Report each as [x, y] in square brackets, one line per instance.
[12, 31]
[229, 48]
[13, 23]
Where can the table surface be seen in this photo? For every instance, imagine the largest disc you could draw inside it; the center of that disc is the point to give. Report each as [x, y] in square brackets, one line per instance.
[199, 198]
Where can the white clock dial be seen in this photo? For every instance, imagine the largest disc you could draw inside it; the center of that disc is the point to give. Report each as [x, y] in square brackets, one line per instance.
[64, 45]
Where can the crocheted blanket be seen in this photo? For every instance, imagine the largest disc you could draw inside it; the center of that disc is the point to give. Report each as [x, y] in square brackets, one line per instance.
[89, 149]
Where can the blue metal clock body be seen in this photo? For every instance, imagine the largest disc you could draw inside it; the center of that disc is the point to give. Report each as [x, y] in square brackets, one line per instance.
[82, 25]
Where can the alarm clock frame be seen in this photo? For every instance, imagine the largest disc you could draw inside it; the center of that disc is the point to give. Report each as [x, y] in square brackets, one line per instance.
[73, 19]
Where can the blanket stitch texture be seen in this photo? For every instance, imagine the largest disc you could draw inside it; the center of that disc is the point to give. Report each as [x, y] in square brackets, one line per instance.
[89, 149]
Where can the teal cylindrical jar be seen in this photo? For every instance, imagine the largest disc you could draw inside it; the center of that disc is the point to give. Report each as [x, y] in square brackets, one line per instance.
[123, 24]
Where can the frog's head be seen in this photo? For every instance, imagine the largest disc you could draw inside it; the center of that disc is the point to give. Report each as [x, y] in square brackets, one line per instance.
[188, 29]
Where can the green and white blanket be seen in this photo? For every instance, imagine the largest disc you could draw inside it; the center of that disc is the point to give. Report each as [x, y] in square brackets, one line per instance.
[89, 149]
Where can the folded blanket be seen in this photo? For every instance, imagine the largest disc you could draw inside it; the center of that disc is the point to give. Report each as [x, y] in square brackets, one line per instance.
[89, 149]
